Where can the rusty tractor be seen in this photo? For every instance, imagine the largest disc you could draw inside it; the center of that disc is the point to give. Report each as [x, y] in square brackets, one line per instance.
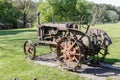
[73, 46]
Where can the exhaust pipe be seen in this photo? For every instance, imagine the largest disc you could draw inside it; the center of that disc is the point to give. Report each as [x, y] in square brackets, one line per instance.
[39, 32]
[52, 17]
[38, 14]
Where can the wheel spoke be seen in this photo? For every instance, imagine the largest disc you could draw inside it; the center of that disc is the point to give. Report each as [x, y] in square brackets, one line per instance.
[62, 45]
[27, 48]
[77, 54]
[61, 56]
[72, 45]
[73, 52]
[76, 59]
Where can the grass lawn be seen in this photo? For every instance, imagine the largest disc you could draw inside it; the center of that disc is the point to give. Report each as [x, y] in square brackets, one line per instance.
[14, 64]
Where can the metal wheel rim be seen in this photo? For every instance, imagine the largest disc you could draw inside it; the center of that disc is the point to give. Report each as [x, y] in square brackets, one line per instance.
[68, 52]
[29, 49]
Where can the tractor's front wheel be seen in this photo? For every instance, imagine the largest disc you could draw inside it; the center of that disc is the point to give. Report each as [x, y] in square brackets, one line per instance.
[29, 49]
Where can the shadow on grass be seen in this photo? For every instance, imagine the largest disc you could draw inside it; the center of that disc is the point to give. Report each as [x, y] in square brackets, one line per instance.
[14, 31]
[100, 72]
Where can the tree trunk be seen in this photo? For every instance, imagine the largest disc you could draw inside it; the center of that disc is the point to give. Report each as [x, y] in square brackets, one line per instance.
[24, 20]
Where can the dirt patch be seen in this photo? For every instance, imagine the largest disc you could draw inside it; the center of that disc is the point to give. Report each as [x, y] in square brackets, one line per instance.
[94, 71]
[117, 64]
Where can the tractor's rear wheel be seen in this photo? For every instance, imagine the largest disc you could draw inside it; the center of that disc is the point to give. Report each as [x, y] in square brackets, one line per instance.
[68, 53]
[29, 49]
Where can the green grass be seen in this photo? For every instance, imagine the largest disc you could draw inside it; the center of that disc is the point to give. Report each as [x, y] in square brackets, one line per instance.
[14, 64]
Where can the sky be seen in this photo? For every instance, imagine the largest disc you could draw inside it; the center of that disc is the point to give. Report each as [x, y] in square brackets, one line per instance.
[112, 2]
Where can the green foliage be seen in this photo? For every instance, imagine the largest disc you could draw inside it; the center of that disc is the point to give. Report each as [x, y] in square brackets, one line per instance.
[46, 11]
[24, 11]
[13, 10]
[83, 7]
[103, 13]
[111, 16]
[63, 10]
[118, 11]
[8, 13]
[98, 11]
[72, 10]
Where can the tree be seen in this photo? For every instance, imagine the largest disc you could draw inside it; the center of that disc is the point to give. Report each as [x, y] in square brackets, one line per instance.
[111, 16]
[83, 7]
[100, 13]
[8, 13]
[101, 8]
[93, 13]
[63, 10]
[45, 10]
[28, 9]
[118, 11]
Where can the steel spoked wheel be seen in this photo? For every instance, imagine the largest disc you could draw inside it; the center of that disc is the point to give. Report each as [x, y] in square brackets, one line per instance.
[68, 53]
[29, 49]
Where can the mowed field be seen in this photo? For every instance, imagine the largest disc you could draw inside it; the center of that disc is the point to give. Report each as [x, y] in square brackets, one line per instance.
[14, 64]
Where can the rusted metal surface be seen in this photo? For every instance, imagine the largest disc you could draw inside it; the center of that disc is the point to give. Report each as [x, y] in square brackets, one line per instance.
[59, 26]
[48, 42]
[101, 35]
